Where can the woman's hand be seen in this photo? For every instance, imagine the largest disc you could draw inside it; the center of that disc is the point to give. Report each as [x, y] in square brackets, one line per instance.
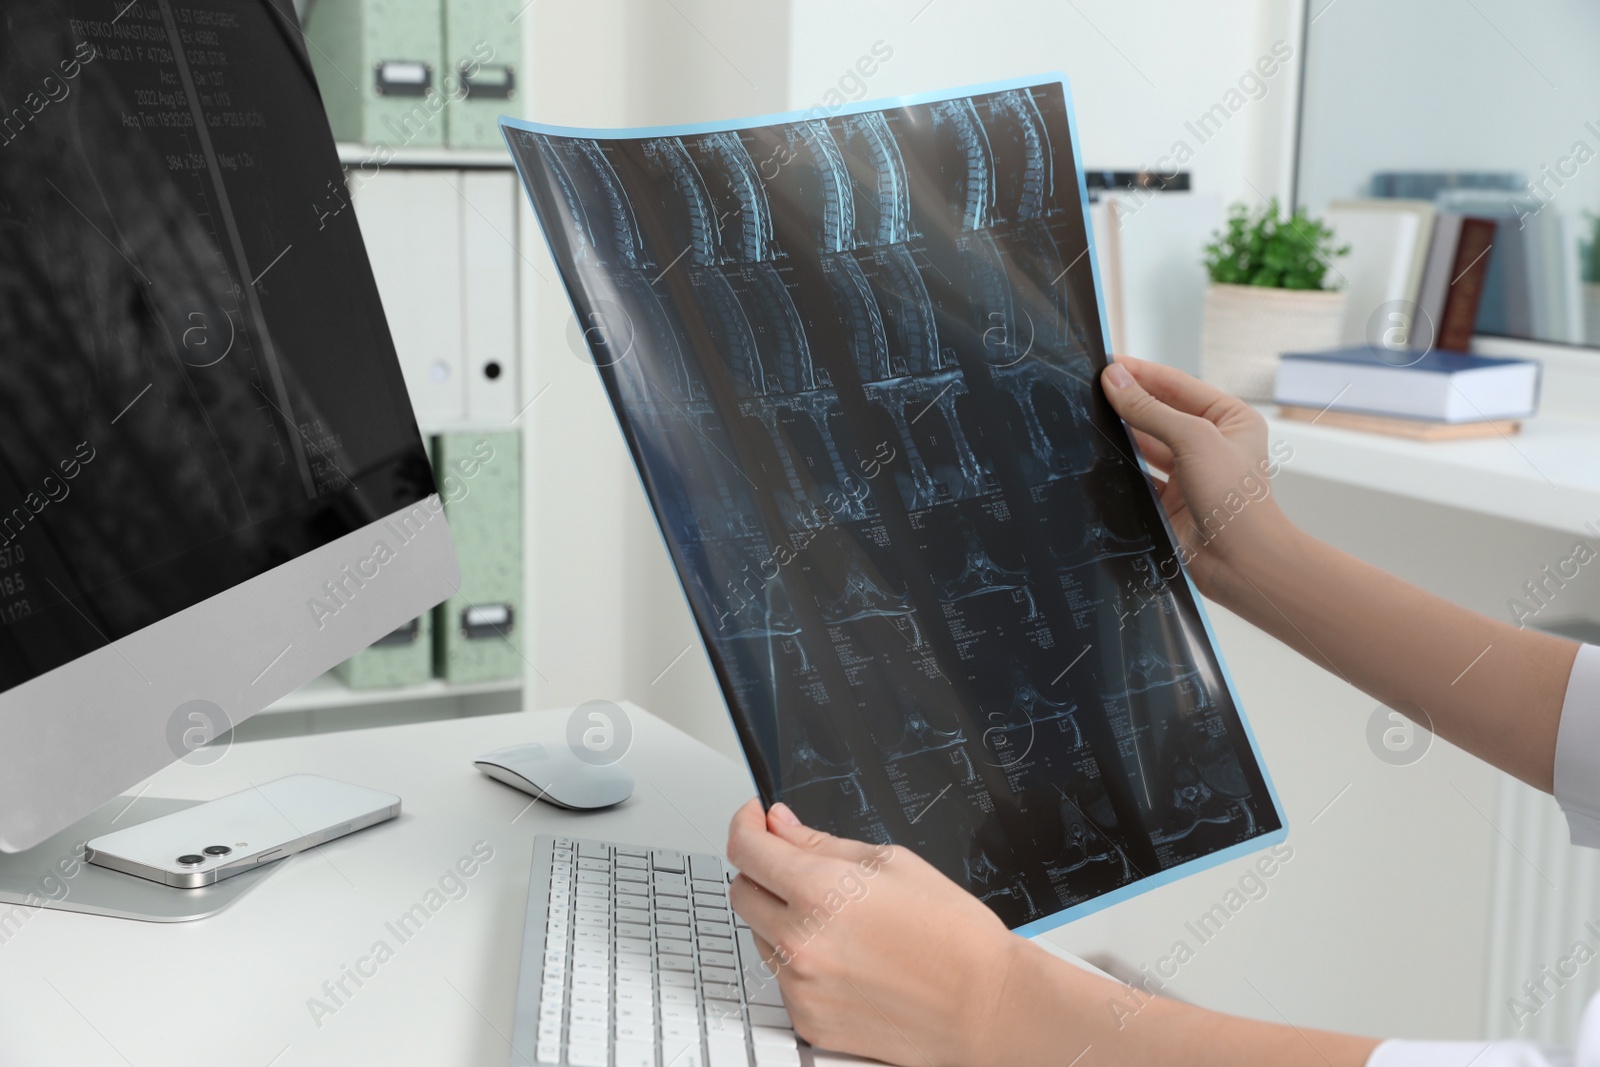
[1212, 447]
[876, 953]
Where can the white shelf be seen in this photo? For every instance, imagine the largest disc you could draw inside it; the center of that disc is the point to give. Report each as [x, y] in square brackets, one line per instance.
[1548, 475]
[354, 155]
[329, 692]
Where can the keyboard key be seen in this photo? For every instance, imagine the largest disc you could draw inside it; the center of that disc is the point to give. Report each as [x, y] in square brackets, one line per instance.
[718, 888]
[683, 979]
[594, 865]
[636, 862]
[629, 875]
[635, 998]
[709, 900]
[680, 996]
[718, 929]
[594, 1055]
[719, 974]
[771, 1035]
[669, 883]
[549, 1052]
[680, 1045]
[638, 930]
[763, 1015]
[677, 948]
[677, 933]
[668, 962]
[631, 900]
[757, 991]
[639, 945]
[724, 990]
[588, 1028]
[773, 1056]
[722, 1009]
[666, 860]
[711, 915]
[719, 959]
[667, 902]
[631, 850]
[708, 943]
[637, 1014]
[704, 865]
[675, 918]
[687, 1014]
[594, 850]
[632, 915]
[636, 1053]
[723, 1024]
[594, 878]
[726, 1050]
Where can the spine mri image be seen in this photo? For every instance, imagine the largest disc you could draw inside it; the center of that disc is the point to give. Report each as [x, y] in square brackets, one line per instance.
[854, 358]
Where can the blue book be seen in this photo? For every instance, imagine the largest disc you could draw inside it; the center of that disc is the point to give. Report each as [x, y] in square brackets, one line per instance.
[1436, 386]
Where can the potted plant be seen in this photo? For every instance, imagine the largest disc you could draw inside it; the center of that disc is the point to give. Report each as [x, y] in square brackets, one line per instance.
[1590, 256]
[1268, 295]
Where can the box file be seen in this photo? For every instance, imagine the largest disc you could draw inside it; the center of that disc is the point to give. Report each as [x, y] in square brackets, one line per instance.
[483, 47]
[478, 632]
[404, 657]
[379, 67]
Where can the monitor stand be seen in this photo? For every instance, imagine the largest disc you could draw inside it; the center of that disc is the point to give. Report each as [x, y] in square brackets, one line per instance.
[54, 875]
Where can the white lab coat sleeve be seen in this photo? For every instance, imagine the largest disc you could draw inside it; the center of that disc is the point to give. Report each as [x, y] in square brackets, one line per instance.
[1577, 780]
[1577, 788]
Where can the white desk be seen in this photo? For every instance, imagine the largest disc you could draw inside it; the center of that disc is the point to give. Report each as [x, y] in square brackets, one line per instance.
[234, 988]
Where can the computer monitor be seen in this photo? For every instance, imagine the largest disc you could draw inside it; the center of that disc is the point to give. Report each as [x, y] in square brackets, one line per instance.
[212, 483]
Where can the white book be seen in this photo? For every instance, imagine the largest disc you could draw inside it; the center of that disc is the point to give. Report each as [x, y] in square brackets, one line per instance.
[1438, 387]
[1378, 272]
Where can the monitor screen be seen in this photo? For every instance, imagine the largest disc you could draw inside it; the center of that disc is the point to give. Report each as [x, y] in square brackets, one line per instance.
[197, 383]
[855, 358]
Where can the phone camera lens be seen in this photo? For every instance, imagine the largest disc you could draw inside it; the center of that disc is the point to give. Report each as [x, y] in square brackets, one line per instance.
[217, 850]
[191, 860]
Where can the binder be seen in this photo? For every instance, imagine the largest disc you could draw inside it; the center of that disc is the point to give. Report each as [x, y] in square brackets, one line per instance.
[478, 631]
[404, 657]
[411, 221]
[488, 204]
[483, 47]
[378, 64]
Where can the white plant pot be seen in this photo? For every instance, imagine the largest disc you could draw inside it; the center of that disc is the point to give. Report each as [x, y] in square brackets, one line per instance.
[1247, 327]
[1591, 313]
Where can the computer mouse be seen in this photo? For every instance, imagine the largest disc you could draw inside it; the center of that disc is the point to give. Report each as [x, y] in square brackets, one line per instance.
[553, 772]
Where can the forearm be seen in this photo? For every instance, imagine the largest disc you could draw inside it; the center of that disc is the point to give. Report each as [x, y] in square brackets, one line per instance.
[1051, 1012]
[1485, 685]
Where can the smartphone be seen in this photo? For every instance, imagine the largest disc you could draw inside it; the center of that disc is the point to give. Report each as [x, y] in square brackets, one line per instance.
[204, 844]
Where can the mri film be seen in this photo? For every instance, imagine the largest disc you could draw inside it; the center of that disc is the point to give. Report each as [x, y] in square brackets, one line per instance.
[855, 357]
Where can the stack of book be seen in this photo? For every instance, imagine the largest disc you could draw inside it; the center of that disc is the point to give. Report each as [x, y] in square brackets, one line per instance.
[1425, 396]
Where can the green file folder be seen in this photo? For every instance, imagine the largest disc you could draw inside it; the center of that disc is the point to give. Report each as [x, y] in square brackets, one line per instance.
[483, 49]
[380, 66]
[478, 633]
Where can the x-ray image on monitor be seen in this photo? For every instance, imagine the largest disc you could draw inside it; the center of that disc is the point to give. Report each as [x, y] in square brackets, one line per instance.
[855, 357]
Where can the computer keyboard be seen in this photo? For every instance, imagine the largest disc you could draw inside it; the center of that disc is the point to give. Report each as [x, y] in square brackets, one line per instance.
[631, 957]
